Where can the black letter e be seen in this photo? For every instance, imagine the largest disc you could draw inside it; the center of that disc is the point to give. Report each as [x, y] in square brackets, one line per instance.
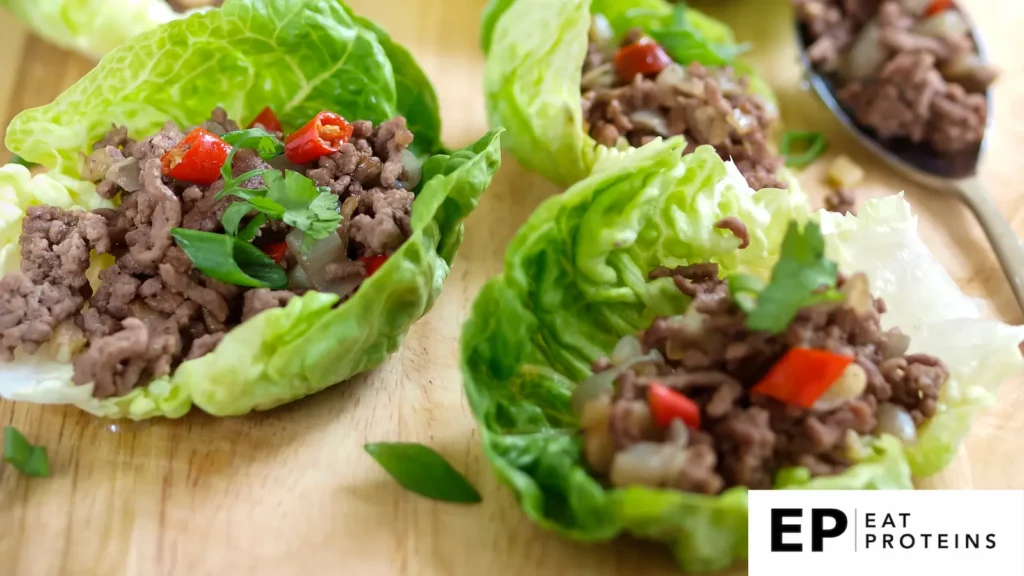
[779, 528]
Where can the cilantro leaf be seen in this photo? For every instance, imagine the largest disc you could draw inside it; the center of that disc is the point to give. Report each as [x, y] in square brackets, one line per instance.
[744, 290]
[256, 139]
[233, 216]
[802, 277]
[230, 260]
[687, 44]
[18, 452]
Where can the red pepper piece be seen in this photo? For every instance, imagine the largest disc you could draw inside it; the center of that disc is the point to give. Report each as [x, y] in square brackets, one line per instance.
[373, 263]
[198, 158]
[645, 57]
[276, 251]
[321, 136]
[666, 405]
[938, 7]
[268, 120]
[802, 376]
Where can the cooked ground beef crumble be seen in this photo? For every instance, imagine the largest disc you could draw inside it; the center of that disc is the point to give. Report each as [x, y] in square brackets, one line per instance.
[712, 357]
[903, 71]
[152, 308]
[706, 105]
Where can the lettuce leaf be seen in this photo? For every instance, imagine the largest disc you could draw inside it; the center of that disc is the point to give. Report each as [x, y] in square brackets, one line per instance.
[300, 57]
[90, 27]
[535, 51]
[574, 283]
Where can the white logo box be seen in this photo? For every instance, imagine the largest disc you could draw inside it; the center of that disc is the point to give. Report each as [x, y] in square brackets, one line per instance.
[928, 532]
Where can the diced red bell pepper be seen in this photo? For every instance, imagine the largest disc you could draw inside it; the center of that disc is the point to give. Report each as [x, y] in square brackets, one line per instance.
[373, 263]
[645, 57]
[322, 135]
[268, 120]
[667, 404]
[276, 251]
[802, 375]
[938, 7]
[198, 158]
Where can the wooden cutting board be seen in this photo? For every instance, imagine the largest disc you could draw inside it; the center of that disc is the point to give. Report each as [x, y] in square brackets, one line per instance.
[292, 492]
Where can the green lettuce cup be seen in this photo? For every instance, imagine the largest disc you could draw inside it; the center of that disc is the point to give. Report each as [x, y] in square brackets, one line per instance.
[299, 58]
[94, 27]
[547, 60]
[575, 283]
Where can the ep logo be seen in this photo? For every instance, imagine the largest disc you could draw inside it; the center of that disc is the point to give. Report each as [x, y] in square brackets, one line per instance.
[825, 523]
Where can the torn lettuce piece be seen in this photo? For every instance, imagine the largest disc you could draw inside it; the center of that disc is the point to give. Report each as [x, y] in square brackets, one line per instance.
[535, 52]
[91, 27]
[351, 67]
[299, 58]
[574, 282]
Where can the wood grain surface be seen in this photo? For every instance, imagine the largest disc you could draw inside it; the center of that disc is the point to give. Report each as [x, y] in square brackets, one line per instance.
[292, 492]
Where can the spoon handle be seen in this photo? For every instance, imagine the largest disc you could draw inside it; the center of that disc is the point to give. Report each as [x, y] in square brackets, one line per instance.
[1004, 240]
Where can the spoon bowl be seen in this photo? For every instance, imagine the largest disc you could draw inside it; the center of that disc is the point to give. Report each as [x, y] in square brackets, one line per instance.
[956, 172]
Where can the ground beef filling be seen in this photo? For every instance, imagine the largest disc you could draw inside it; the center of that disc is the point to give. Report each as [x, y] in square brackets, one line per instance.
[706, 105]
[902, 73]
[744, 439]
[151, 309]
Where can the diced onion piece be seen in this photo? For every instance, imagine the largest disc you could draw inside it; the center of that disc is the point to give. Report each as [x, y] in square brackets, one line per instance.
[626, 349]
[969, 71]
[850, 385]
[858, 296]
[601, 31]
[413, 170]
[67, 340]
[593, 387]
[945, 23]
[895, 420]
[678, 433]
[741, 122]
[867, 53]
[650, 120]
[844, 172]
[314, 262]
[647, 464]
[126, 174]
[602, 76]
[297, 278]
[855, 449]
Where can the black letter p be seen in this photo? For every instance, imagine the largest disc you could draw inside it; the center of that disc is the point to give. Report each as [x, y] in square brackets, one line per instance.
[818, 532]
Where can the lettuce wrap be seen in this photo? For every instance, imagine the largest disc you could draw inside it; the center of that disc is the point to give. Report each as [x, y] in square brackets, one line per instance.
[535, 52]
[92, 27]
[298, 57]
[575, 282]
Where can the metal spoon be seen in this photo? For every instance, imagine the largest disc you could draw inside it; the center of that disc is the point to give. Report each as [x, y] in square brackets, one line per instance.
[954, 173]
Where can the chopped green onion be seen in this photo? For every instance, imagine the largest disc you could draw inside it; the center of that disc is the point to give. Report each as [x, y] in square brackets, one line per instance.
[421, 470]
[18, 452]
[230, 259]
[812, 143]
[19, 160]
